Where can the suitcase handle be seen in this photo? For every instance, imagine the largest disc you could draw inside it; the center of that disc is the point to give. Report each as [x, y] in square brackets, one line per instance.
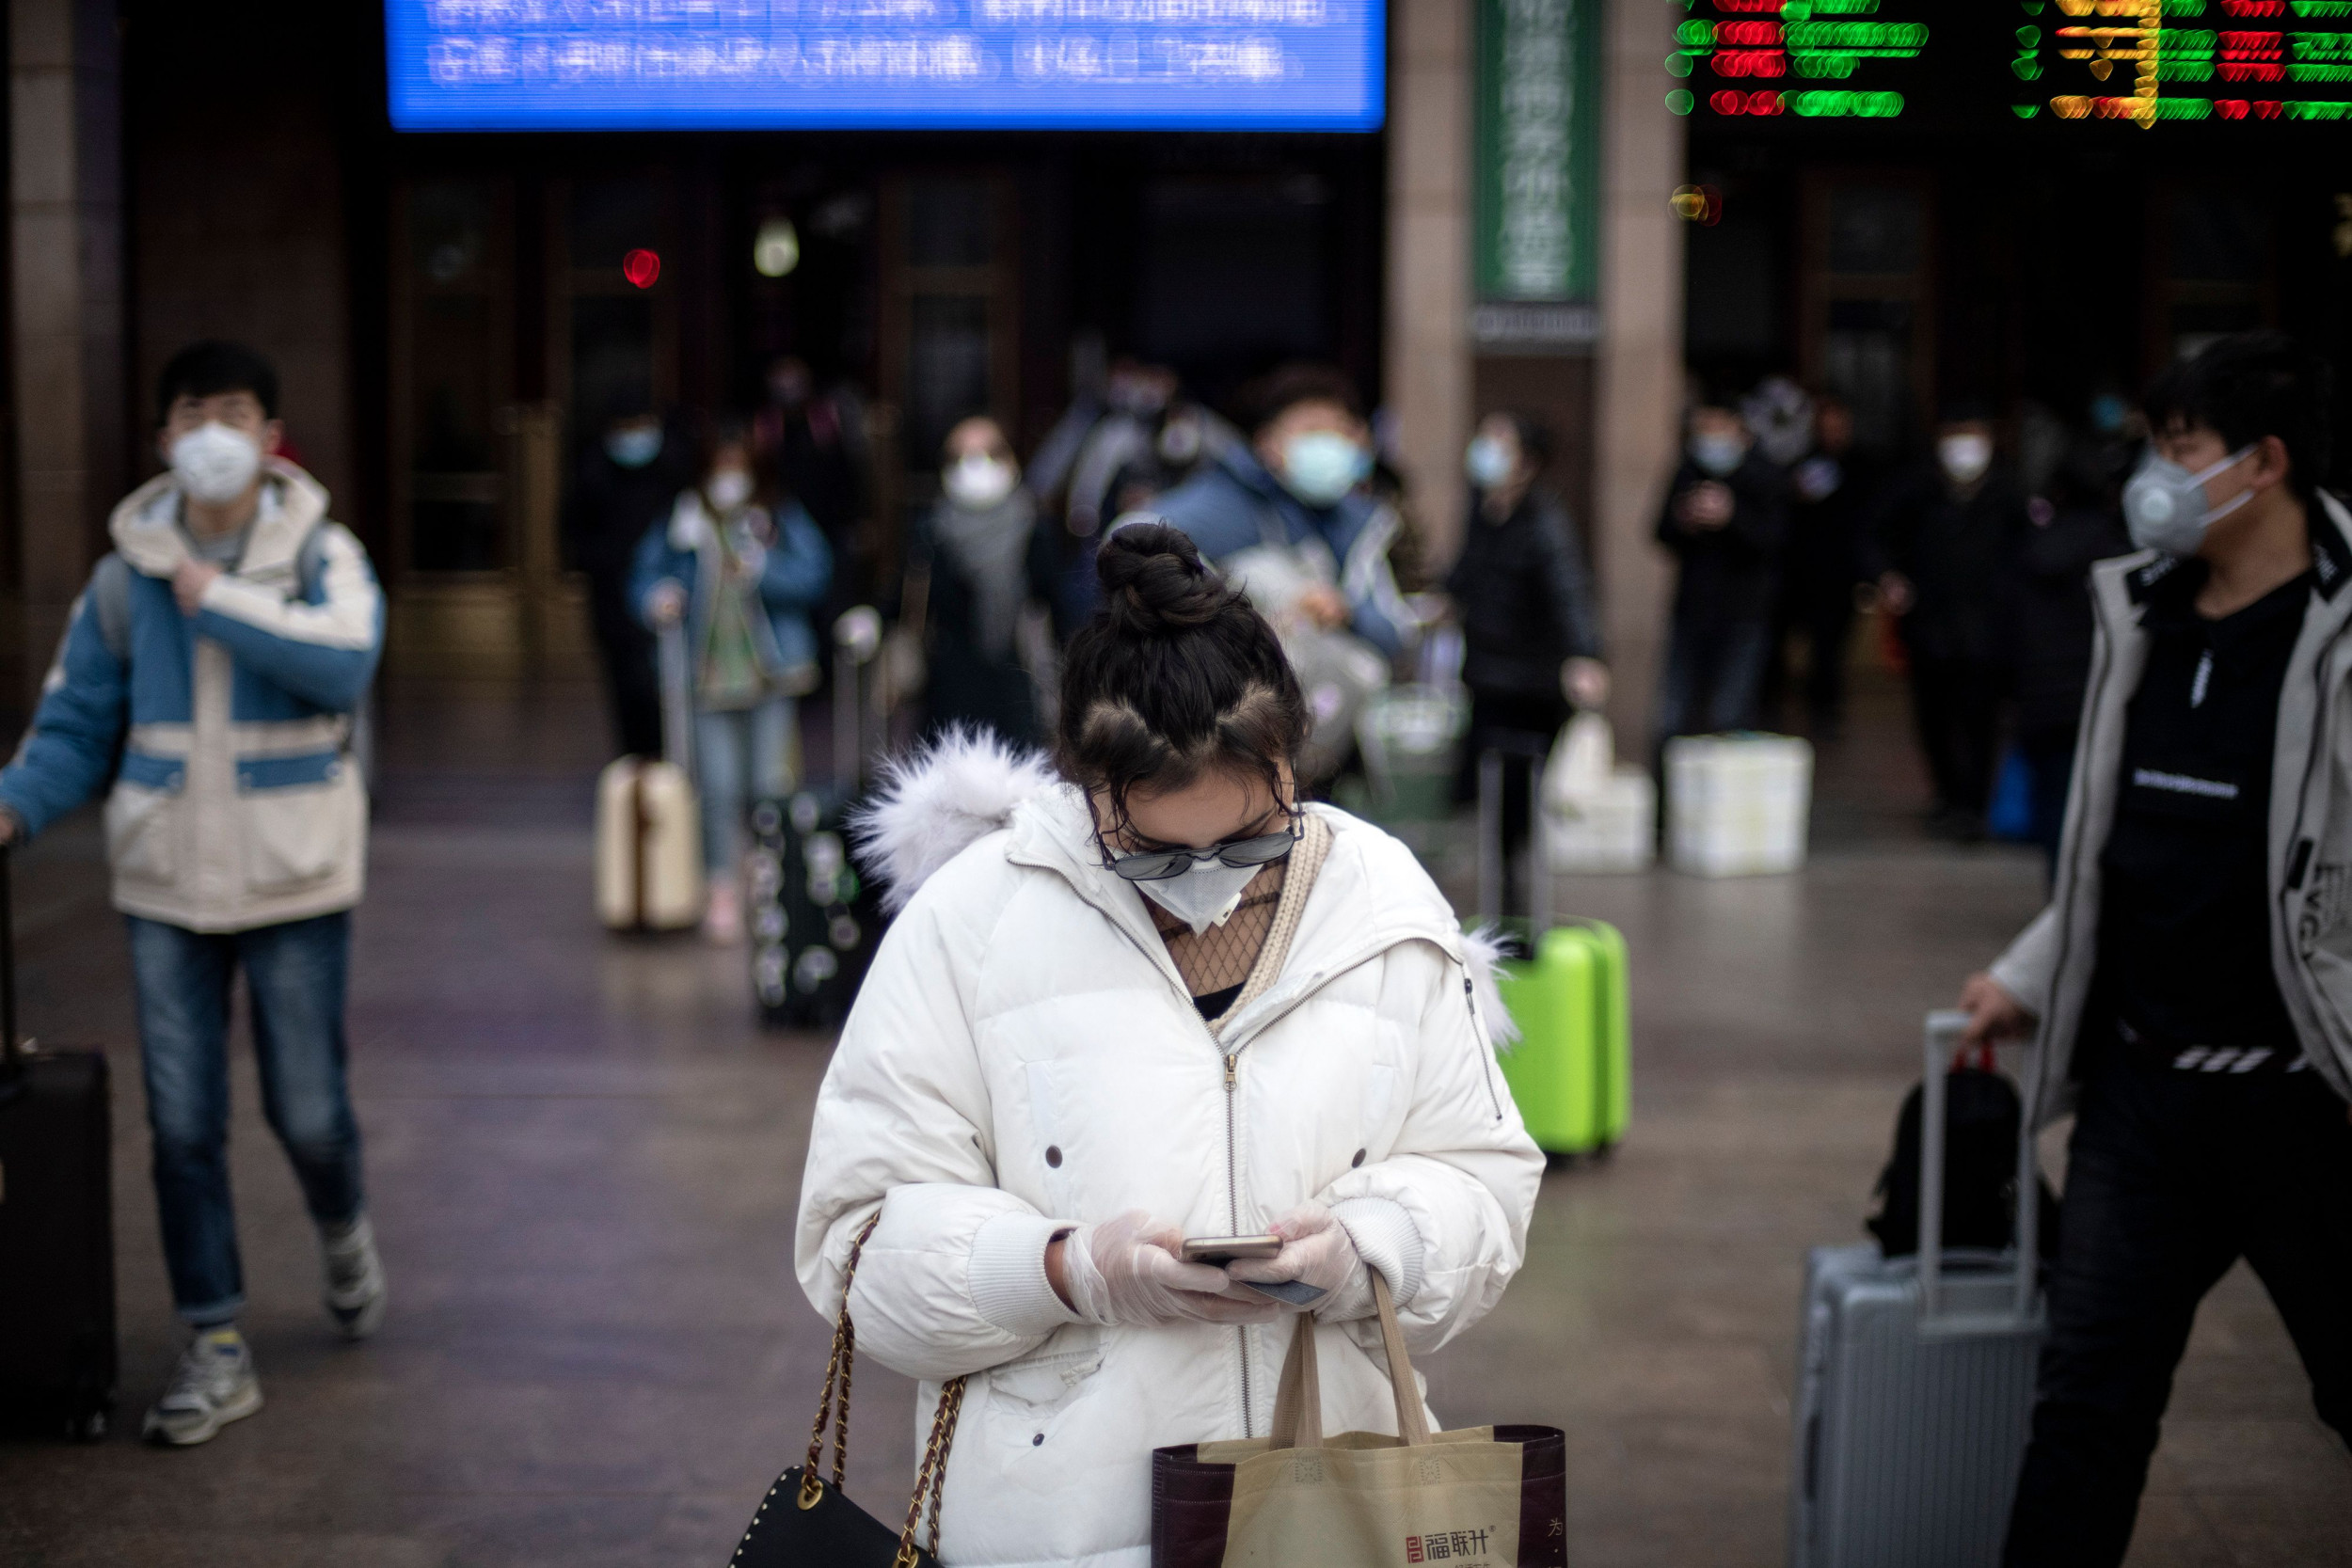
[1944, 1029]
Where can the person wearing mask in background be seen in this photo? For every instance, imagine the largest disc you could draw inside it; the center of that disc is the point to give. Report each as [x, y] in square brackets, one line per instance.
[814, 442]
[207, 682]
[1299, 485]
[2050, 627]
[738, 567]
[979, 562]
[1725, 520]
[624, 484]
[1828, 487]
[1942, 542]
[2189, 982]
[1524, 598]
[1107, 973]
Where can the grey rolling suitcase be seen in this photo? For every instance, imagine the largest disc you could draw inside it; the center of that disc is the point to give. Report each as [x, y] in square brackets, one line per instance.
[1915, 1380]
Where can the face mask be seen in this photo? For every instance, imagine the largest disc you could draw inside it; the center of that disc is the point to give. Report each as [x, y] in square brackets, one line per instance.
[1719, 456]
[635, 447]
[2164, 504]
[1964, 457]
[1488, 462]
[214, 463]
[975, 482]
[1180, 440]
[1202, 896]
[1320, 467]
[728, 488]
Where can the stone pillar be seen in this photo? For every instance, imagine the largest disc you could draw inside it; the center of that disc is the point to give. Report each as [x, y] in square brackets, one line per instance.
[65, 239]
[1639, 382]
[1426, 366]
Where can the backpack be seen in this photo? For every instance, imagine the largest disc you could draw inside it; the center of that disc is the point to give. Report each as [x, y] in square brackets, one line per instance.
[1981, 1118]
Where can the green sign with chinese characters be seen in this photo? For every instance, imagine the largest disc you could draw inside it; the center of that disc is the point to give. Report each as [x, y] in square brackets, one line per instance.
[1538, 146]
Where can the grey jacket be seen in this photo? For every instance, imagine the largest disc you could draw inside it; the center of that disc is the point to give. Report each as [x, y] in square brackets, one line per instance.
[2048, 968]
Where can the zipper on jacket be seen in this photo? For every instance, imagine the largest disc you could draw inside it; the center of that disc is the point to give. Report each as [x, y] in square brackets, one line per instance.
[1478, 1033]
[1232, 1211]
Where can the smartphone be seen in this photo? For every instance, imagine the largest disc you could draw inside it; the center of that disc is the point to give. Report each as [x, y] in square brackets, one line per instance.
[1217, 1251]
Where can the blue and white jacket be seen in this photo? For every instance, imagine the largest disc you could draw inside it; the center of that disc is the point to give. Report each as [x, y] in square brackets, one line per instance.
[236, 802]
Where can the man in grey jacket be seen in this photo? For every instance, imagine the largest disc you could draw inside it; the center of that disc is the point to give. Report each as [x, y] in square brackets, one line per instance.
[2190, 984]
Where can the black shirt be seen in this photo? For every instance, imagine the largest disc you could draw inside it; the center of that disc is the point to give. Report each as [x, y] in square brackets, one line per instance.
[2185, 919]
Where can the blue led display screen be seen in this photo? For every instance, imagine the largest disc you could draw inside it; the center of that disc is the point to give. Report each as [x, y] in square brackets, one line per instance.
[614, 65]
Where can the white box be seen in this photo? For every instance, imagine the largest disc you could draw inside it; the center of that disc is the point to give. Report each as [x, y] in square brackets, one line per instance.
[1614, 827]
[1736, 805]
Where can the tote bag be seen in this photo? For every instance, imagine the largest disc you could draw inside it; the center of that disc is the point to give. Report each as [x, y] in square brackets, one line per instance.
[803, 1521]
[1485, 1498]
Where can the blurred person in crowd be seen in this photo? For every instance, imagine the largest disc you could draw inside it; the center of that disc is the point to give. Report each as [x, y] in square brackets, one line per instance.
[1942, 540]
[2050, 626]
[1829, 486]
[979, 562]
[1149, 440]
[2188, 982]
[815, 443]
[1524, 597]
[207, 682]
[1022, 1125]
[1299, 486]
[625, 483]
[738, 565]
[1725, 520]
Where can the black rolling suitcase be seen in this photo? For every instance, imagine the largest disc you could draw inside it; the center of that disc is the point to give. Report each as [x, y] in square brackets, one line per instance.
[57, 1227]
[812, 918]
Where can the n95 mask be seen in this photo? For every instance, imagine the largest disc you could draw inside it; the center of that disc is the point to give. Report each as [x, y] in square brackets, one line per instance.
[2164, 504]
[214, 463]
[1203, 894]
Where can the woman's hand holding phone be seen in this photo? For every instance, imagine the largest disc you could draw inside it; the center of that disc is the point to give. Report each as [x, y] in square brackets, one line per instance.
[1317, 1263]
[1125, 1271]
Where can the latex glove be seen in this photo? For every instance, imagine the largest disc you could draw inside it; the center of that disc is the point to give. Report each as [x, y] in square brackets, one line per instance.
[666, 604]
[1318, 1253]
[1126, 1271]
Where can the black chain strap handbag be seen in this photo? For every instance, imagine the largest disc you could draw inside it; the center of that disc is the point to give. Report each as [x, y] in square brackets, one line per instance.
[803, 1520]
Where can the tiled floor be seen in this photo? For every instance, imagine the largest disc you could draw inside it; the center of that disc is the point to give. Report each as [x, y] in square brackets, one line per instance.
[585, 1158]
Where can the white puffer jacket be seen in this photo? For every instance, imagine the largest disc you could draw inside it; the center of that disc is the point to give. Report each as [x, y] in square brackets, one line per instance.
[1024, 1056]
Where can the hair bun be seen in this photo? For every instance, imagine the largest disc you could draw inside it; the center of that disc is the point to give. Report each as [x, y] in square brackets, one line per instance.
[1154, 582]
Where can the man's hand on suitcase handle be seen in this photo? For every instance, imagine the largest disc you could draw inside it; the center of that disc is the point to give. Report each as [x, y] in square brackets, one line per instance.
[1994, 1016]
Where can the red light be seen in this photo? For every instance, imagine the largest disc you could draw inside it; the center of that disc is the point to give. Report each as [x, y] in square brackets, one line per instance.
[641, 267]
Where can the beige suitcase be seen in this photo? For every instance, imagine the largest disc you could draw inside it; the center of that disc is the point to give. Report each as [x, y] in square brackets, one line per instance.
[649, 845]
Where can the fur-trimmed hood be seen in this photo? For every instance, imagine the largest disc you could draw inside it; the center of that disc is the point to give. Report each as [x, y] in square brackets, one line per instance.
[936, 802]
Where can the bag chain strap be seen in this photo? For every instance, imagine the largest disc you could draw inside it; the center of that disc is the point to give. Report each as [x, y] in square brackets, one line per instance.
[931, 1478]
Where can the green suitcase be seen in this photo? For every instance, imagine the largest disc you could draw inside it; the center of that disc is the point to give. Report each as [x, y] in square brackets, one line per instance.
[1571, 1072]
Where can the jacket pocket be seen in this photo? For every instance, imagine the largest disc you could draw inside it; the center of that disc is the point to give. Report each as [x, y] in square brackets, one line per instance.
[299, 820]
[140, 823]
[1039, 1384]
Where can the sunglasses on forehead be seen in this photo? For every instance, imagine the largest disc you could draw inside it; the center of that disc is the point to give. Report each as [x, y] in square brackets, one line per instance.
[1157, 865]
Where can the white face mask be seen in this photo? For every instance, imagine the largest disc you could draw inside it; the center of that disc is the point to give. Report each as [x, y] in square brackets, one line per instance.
[1201, 896]
[977, 483]
[1719, 456]
[214, 463]
[1964, 457]
[1488, 462]
[728, 488]
[2165, 507]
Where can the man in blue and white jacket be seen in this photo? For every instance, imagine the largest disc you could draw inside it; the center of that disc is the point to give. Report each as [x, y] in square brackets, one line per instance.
[208, 680]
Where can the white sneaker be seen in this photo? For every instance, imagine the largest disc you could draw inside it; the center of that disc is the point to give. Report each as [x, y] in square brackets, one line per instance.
[354, 1278]
[212, 1385]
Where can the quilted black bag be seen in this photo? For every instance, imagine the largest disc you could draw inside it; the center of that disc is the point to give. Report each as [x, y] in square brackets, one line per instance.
[803, 1520]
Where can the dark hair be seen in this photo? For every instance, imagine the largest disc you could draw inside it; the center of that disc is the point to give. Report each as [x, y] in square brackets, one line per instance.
[2248, 386]
[1964, 409]
[713, 434]
[1534, 437]
[212, 367]
[1175, 677]
[1288, 385]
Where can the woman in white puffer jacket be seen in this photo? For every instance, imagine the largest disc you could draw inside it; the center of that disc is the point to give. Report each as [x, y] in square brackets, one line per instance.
[1149, 998]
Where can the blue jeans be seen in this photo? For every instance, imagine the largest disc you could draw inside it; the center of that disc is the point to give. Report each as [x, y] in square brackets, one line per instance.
[1714, 678]
[742, 756]
[293, 976]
